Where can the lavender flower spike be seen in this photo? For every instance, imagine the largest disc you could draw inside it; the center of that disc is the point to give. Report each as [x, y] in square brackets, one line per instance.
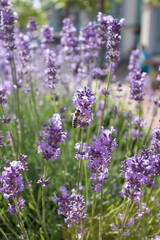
[100, 157]
[133, 60]
[83, 101]
[47, 36]
[137, 85]
[8, 18]
[54, 136]
[51, 72]
[114, 37]
[73, 208]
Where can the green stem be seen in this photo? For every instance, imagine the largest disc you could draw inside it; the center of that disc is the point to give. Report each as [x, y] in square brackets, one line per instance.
[8, 127]
[3, 234]
[21, 221]
[150, 126]
[34, 104]
[139, 113]
[86, 182]
[80, 162]
[43, 203]
[9, 227]
[33, 199]
[101, 216]
[108, 85]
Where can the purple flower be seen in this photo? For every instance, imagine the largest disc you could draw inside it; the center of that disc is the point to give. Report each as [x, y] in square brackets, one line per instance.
[138, 122]
[143, 210]
[126, 234]
[51, 71]
[100, 158]
[32, 25]
[114, 37]
[71, 206]
[82, 154]
[134, 134]
[20, 204]
[23, 45]
[137, 85]
[3, 96]
[81, 188]
[97, 72]
[23, 159]
[105, 92]
[89, 41]
[156, 141]
[156, 238]
[137, 171]
[133, 60]
[54, 136]
[83, 101]
[102, 20]
[47, 37]
[8, 18]
[41, 180]
[121, 225]
[11, 180]
[68, 39]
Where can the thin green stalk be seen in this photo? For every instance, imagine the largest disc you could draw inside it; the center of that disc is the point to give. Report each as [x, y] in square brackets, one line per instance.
[34, 104]
[139, 113]
[43, 203]
[8, 127]
[127, 210]
[81, 230]
[3, 233]
[150, 126]
[21, 221]
[18, 111]
[80, 162]
[33, 199]
[93, 211]
[108, 85]
[101, 216]
[9, 227]
[55, 106]
[86, 182]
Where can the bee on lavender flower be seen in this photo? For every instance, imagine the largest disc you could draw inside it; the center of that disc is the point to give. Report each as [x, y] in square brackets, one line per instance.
[76, 115]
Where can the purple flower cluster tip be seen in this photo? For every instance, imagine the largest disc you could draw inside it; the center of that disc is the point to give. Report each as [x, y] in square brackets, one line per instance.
[50, 148]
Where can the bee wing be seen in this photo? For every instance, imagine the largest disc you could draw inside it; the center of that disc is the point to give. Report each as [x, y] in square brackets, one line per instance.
[70, 113]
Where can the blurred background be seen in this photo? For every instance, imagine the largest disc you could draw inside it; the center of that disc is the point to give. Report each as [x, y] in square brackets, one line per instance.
[142, 19]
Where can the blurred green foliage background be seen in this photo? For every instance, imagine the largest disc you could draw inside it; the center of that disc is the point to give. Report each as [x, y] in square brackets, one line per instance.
[39, 8]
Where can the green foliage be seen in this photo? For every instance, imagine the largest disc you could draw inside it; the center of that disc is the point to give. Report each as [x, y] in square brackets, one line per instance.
[26, 9]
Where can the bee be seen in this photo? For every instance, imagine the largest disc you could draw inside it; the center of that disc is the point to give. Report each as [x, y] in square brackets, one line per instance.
[75, 118]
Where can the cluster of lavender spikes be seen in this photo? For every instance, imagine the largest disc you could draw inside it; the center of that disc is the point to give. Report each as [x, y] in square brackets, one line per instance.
[54, 136]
